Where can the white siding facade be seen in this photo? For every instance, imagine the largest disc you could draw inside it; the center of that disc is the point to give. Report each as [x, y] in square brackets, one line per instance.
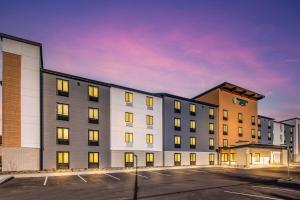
[278, 133]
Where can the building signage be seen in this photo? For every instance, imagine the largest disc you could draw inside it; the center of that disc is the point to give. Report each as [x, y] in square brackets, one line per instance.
[242, 102]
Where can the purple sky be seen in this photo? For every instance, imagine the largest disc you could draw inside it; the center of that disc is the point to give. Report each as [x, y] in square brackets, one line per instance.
[181, 47]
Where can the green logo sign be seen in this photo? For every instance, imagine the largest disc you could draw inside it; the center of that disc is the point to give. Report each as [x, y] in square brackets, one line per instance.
[242, 102]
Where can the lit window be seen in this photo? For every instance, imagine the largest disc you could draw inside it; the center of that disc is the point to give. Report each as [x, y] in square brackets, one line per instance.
[225, 129]
[258, 134]
[93, 93]
[192, 125]
[149, 159]
[62, 159]
[224, 157]
[291, 130]
[62, 111]
[94, 115]
[192, 142]
[62, 135]
[149, 102]
[177, 124]
[177, 159]
[177, 141]
[62, 87]
[211, 143]
[93, 160]
[253, 133]
[149, 138]
[149, 120]
[129, 97]
[240, 118]
[240, 131]
[93, 138]
[128, 117]
[225, 114]
[211, 159]
[258, 122]
[269, 123]
[128, 137]
[253, 120]
[211, 128]
[192, 109]
[291, 139]
[211, 113]
[192, 158]
[269, 136]
[128, 159]
[177, 106]
[233, 157]
[257, 157]
[225, 143]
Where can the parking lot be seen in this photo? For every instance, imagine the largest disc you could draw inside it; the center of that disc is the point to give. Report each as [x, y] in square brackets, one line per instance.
[189, 183]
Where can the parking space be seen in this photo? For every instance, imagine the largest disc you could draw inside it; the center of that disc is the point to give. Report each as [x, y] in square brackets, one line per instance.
[188, 183]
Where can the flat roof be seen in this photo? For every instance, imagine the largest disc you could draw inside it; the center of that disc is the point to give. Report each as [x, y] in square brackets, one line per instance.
[187, 99]
[295, 118]
[229, 87]
[3, 35]
[261, 146]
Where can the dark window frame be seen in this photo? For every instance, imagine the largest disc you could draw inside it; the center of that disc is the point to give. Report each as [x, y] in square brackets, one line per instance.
[60, 92]
[62, 141]
[93, 165]
[62, 117]
[62, 165]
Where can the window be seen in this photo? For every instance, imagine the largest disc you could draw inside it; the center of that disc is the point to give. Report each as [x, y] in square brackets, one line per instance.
[192, 158]
[62, 159]
[128, 118]
[224, 157]
[211, 159]
[177, 124]
[211, 113]
[177, 106]
[253, 133]
[253, 120]
[177, 141]
[291, 139]
[291, 131]
[257, 157]
[192, 142]
[192, 125]
[240, 131]
[93, 160]
[225, 129]
[62, 111]
[93, 93]
[269, 136]
[258, 122]
[128, 137]
[233, 157]
[149, 102]
[62, 136]
[62, 87]
[93, 138]
[192, 109]
[149, 120]
[149, 159]
[211, 128]
[129, 98]
[129, 159]
[94, 115]
[225, 115]
[240, 117]
[211, 143]
[281, 138]
[258, 134]
[269, 124]
[177, 159]
[149, 138]
[225, 143]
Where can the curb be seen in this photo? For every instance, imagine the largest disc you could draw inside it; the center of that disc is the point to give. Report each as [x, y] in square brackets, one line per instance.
[5, 179]
[289, 181]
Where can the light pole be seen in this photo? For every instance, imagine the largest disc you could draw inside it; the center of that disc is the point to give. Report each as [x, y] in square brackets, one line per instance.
[136, 178]
[288, 168]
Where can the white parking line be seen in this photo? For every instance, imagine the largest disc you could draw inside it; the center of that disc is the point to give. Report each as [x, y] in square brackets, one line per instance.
[198, 171]
[45, 182]
[251, 195]
[159, 173]
[111, 176]
[133, 173]
[275, 188]
[82, 178]
[180, 172]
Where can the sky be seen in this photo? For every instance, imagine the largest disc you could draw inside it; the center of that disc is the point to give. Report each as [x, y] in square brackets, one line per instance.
[181, 47]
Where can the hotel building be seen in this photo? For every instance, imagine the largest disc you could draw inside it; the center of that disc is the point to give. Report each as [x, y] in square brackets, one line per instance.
[52, 120]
